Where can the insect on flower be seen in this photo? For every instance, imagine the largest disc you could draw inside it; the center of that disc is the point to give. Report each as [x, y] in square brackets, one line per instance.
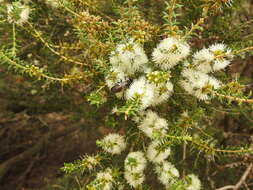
[118, 87]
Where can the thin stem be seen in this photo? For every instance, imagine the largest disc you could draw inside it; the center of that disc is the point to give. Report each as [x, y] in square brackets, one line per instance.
[235, 52]
[184, 156]
[240, 182]
[171, 10]
[68, 9]
[78, 15]
[194, 27]
[232, 97]
[38, 35]
[243, 50]
[206, 147]
[25, 68]
[13, 40]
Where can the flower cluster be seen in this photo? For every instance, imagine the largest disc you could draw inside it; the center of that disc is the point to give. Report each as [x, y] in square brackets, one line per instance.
[156, 153]
[214, 58]
[196, 79]
[151, 85]
[198, 83]
[155, 87]
[163, 88]
[194, 182]
[90, 162]
[128, 57]
[140, 88]
[53, 3]
[170, 52]
[167, 173]
[153, 126]
[104, 180]
[135, 164]
[18, 13]
[113, 143]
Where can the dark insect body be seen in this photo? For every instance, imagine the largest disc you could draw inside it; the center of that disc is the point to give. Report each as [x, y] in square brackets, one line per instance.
[118, 87]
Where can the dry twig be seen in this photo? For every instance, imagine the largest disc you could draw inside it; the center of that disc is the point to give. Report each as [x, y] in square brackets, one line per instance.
[240, 182]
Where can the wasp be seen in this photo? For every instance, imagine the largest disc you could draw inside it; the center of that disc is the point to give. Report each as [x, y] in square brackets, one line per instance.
[120, 86]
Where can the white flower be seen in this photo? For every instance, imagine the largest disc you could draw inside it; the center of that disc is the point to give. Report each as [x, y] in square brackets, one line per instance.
[202, 60]
[113, 143]
[142, 89]
[129, 57]
[134, 178]
[105, 179]
[115, 76]
[53, 3]
[222, 54]
[18, 13]
[138, 118]
[220, 64]
[90, 162]
[198, 84]
[24, 15]
[162, 93]
[218, 48]
[135, 162]
[106, 175]
[195, 183]
[169, 52]
[156, 153]
[163, 88]
[215, 58]
[153, 126]
[115, 110]
[167, 173]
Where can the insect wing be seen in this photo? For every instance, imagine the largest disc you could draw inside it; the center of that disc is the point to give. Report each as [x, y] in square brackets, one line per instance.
[117, 88]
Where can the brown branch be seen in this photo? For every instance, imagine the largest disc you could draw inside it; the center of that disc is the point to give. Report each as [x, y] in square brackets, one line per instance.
[232, 98]
[43, 141]
[240, 182]
[20, 181]
[184, 157]
[244, 177]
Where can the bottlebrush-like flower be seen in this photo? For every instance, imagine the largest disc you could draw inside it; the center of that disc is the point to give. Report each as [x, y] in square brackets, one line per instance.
[90, 162]
[163, 88]
[169, 52]
[222, 56]
[167, 173]
[202, 60]
[115, 76]
[134, 178]
[113, 143]
[162, 93]
[195, 183]
[153, 126]
[53, 3]
[18, 13]
[135, 162]
[156, 153]
[142, 89]
[105, 179]
[128, 57]
[198, 84]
